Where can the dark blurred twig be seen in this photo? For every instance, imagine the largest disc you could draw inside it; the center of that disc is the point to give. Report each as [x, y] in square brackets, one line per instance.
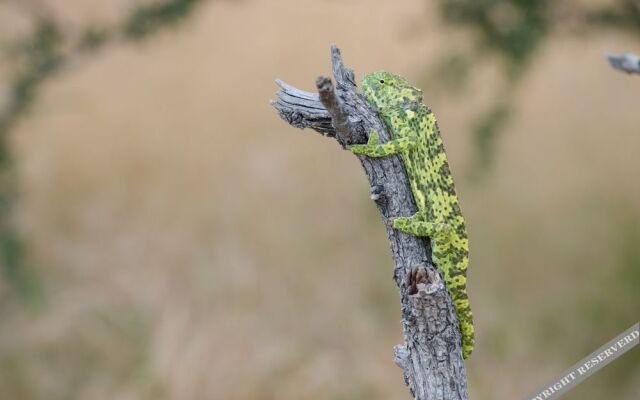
[431, 356]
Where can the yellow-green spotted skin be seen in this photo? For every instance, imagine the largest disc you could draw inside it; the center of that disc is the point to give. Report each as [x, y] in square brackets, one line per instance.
[415, 136]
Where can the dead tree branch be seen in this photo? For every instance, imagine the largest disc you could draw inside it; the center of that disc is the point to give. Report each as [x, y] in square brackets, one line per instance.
[431, 356]
[628, 62]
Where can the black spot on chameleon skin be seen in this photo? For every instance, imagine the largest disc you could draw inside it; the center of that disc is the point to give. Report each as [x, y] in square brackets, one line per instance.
[459, 254]
[438, 253]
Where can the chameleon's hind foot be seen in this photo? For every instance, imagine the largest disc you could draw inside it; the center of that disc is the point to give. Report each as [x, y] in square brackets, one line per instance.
[417, 226]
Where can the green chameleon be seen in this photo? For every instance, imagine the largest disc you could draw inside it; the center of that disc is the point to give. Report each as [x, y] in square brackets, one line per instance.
[415, 136]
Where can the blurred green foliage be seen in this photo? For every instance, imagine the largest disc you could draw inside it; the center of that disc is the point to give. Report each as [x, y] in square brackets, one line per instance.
[148, 19]
[603, 313]
[487, 128]
[124, 329]
[38, 57]
[453, 72]
[15, 271]
[512, 31]
[624, 15]
[93, 38]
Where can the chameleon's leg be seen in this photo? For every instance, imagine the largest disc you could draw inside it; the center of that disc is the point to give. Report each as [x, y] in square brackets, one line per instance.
[438, 232]
[417, 225]
[373, 149]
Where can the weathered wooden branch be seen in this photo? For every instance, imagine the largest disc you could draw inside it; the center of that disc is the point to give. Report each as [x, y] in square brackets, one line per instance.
[628, 62]
[431, 356]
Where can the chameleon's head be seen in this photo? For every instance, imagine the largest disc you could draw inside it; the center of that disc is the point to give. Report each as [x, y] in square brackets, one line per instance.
[386, 90]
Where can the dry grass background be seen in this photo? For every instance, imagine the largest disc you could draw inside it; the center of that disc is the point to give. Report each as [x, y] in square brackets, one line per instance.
[194, 246]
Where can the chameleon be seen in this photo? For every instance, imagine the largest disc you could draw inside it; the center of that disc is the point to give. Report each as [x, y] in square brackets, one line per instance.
[415, 136]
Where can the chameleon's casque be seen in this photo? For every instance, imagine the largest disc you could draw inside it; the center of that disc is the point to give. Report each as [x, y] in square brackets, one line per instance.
[416, 137]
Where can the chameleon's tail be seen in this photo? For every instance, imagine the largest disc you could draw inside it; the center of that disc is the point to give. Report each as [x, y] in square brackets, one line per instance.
[455, 277]
[465, 317]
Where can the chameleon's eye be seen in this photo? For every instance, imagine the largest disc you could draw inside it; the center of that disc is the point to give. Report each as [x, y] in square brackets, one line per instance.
[381, 80]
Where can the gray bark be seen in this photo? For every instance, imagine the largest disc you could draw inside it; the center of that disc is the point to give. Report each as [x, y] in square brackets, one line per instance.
[431, 356]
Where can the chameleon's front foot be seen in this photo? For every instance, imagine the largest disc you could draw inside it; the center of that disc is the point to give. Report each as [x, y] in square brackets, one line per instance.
[374, 149]
[370, 149]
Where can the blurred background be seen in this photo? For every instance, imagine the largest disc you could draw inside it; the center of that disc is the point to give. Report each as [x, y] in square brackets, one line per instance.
[164, 235]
